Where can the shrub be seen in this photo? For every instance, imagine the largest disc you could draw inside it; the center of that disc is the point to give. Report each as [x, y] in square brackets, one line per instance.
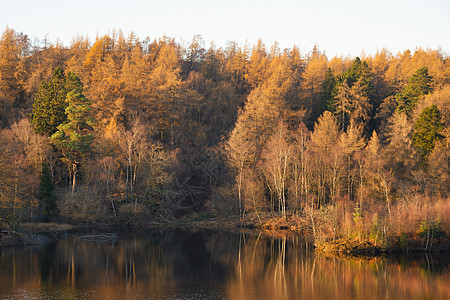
[85, 207]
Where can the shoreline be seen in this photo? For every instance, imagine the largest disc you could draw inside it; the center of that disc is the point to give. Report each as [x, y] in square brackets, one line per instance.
[35, 234]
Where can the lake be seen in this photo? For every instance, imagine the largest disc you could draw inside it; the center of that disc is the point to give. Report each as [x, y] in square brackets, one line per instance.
[206, 264]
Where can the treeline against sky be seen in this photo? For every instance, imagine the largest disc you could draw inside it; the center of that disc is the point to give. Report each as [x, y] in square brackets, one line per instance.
[116, 127]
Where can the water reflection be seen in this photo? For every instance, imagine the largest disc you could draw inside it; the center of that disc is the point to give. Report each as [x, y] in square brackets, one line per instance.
[174, 264]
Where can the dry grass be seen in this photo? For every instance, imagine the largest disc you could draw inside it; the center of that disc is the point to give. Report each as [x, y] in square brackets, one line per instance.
[45, 227]
[407, 215]
[409, 219]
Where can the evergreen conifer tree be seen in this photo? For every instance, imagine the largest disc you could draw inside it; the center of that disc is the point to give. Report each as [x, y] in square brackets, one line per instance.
[74, 137]
[427, 130]
[419, 84]
[360, 71]
[327, 93]
[50, 104]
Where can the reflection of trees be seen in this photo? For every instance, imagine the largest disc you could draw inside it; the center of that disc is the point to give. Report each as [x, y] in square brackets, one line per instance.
[267, 268]
[282, 268]
[237, 266]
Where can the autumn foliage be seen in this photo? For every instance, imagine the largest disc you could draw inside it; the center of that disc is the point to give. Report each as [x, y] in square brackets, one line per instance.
[156, 128]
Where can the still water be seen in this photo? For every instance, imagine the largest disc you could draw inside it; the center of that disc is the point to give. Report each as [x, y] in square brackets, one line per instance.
[175, 264]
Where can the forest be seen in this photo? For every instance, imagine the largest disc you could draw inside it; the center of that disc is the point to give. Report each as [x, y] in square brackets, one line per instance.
[127, 130]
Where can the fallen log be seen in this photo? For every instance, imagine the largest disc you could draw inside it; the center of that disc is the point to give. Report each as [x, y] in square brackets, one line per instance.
[104, 237]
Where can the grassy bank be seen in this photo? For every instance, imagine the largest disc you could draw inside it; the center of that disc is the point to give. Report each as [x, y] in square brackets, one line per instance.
[417, 225]
[414, 225]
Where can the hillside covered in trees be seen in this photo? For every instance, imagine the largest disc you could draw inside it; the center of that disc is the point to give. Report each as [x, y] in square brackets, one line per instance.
[122, 128]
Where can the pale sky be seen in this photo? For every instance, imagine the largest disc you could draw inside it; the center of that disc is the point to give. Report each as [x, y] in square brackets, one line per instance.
[339, 27]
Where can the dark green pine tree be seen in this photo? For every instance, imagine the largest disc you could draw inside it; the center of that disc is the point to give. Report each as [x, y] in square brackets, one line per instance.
[354, 92]
[327, 94]
[50, 104]
[427, 130]
[46, 194]
[360, 70]
[74, 137]
[353, 73]
[419, 84]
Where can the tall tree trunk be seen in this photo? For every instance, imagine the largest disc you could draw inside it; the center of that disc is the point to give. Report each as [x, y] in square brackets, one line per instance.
[172, 122]
[133, 186]
[240, 192]
[126, 183]
[360, 183]
[16, 184]
[74, 176]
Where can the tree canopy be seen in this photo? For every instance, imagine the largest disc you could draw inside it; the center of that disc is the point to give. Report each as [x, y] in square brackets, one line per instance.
[157, 127]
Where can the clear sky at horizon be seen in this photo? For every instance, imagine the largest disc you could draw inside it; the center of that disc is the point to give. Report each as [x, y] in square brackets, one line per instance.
[346, 27]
